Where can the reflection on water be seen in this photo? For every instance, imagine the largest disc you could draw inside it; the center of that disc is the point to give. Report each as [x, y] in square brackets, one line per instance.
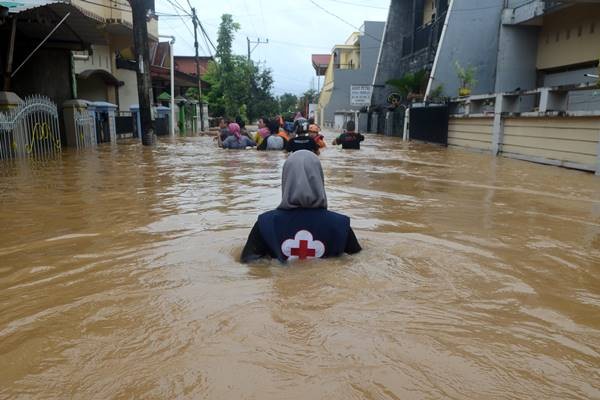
[118, 278]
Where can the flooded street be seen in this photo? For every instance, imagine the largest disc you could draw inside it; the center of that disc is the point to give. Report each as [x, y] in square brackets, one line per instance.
[479, 278]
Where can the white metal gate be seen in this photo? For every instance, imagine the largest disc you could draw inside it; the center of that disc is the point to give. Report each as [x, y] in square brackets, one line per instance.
[85, 129]
[30, 130]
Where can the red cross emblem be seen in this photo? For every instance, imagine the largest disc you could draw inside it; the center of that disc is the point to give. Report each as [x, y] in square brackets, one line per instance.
[302, 247]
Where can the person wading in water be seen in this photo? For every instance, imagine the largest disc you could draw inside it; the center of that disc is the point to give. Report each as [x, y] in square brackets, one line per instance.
[349, 139]
[236, 140]
[301, 227]
[302, 141]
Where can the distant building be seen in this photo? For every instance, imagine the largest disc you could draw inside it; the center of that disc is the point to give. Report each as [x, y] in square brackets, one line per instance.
[347, 85]
[187, 64]
[184, 79]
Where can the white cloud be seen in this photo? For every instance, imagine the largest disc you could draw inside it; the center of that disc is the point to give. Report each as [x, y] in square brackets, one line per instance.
[295, 29]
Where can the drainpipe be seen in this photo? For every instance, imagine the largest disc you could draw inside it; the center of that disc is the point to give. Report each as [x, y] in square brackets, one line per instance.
[437, 53]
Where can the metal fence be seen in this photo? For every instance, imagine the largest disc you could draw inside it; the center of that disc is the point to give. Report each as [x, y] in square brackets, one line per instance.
[30, 129]
[85, 129]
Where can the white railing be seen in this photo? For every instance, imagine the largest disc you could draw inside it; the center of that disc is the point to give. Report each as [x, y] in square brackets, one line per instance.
[30, 129]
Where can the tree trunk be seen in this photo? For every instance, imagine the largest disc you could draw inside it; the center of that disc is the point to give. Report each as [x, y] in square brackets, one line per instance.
[144, 82]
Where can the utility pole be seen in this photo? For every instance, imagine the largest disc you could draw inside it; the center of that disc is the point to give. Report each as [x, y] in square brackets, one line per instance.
[139, 12]
[195, 22]
[255, 43]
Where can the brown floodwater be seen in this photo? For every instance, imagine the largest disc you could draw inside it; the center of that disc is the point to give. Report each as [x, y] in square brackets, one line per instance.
[119, 279]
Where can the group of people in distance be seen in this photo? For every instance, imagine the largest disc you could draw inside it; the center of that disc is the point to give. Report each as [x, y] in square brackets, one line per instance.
[301, 227]
[277, 134]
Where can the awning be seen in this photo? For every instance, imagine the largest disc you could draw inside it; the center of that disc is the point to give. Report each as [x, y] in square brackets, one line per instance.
[106, 76]
[36, 18]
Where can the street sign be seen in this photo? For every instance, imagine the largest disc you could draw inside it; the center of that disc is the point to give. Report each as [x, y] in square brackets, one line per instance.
[360, 95]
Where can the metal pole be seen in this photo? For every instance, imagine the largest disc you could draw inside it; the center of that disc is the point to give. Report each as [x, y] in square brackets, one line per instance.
[172, 86]
[248, 40]
[172, 104]
[41, 44]
[195, 22]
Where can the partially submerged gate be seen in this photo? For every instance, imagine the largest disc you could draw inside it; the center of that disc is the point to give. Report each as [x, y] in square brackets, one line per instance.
[30, 130]
[429, 123]
[85, 129]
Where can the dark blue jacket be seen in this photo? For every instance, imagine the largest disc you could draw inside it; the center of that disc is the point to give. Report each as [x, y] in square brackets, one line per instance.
[300, 234]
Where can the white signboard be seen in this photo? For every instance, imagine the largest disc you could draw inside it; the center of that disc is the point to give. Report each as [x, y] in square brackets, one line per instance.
[360, 95]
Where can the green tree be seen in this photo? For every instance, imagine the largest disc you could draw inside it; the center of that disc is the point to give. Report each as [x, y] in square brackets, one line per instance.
[287, 103]
[261, 101]
[237, 87]
[309, 97]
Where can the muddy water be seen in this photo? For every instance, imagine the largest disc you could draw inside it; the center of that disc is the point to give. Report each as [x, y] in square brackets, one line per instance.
[480, 278]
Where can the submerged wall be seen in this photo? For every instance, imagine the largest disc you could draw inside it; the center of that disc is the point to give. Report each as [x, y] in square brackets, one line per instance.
[572, 142]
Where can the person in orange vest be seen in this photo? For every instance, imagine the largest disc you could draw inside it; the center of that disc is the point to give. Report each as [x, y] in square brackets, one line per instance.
[314, 132]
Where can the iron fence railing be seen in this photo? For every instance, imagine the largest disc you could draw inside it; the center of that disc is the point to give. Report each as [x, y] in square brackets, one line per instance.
[30, 129]
[85, 129]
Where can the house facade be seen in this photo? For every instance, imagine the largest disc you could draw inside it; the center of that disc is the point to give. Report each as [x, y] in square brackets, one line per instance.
[536, 95]
[88, 52]
[347, 82]
[412, 32]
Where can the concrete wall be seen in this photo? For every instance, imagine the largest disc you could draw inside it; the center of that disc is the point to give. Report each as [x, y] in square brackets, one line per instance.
[588, 100]
[93, 89]
[571, 142]
[471, 39]
[128, 94]
[570, 36]
[100, 58]
[344, 78]
[517, 57]
[471, 133]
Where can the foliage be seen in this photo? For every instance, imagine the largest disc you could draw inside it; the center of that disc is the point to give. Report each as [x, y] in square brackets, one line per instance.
[465, 75]
[237, 86]
[437, 94]
[192, 93]
[410, 83]
[287, 103]
[309, 97]
[261, 101]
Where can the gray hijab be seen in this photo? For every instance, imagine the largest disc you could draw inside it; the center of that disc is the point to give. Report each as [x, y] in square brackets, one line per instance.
[302, 182]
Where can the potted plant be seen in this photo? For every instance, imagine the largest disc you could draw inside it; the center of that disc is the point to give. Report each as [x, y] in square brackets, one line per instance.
[411, 86]
[466, 76]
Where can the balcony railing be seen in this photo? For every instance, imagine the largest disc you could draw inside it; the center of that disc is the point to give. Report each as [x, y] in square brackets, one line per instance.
[423, 37]
[346, 66]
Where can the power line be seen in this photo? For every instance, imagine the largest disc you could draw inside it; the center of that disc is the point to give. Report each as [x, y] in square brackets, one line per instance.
[358, 5]
[176, 5]
[105, 6]
[206, 35]
[343, 20]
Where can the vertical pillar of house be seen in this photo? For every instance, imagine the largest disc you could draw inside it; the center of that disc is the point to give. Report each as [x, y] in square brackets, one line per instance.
[498, 128]
[504, 104]
[598, 156]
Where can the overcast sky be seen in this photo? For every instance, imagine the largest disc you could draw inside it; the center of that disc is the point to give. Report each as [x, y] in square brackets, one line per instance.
[295, 29]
